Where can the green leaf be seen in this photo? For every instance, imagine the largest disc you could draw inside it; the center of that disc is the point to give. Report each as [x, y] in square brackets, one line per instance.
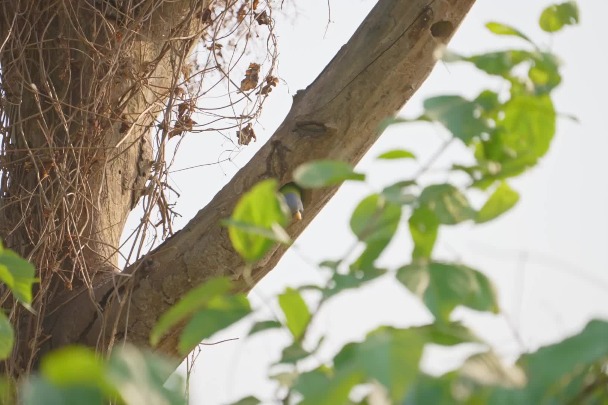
[258, 208]
[459, 115]
[528, 125]
[449, 204]
[74, 366]
[375, 218]
[579, 382]
[366, 260]
[77, 375]
[18, 274]
[219, 313]
[444, 286]
[293, 353]
[355, 279]
[502, 200]
[374, 221]
[39, 391]
[556, 16]
[388, 355]
[548, 368]
[498, 161]
[197, 298]
[448, 333]
[500, 63]
[431, 390]
[424, 226]
[324, 387]
[502, 29]
[544, 72]
[140, 377]
[275, 233]
[396, 193]
[331, 264]
[7, 337]
[488, 101]
[397, 154]
[297, 315]
[264, 325]
[324, 173]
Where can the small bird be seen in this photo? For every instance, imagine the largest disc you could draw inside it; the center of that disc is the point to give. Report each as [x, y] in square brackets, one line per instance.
[293, 198]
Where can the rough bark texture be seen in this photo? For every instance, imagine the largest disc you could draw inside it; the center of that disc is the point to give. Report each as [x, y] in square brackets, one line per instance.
[336, 117]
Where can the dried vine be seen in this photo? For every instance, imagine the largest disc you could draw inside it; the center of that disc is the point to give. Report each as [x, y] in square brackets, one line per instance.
[95, 97]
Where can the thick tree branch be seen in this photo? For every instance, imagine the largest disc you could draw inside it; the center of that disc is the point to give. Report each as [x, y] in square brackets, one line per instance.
[336, 117]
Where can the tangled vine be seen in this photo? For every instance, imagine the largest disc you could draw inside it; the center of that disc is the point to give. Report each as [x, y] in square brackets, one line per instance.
[95, 98]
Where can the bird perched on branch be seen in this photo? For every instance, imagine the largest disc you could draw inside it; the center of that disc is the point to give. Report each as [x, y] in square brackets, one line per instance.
[293, 198]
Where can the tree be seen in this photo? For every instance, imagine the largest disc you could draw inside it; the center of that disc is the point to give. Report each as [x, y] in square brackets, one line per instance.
[92, 91]
[70, 136]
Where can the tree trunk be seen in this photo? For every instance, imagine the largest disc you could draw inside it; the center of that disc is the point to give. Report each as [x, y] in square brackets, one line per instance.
[82, 85]
[68, 219]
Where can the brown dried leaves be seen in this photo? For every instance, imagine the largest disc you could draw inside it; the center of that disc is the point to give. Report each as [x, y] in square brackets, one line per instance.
[184, 121]
[240, 15]
[262, 18]
[252, 77]
[205, 16]
[271, 82]
[246, 134]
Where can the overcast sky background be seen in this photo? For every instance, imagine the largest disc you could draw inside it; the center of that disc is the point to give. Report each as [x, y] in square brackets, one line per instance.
[547, 257]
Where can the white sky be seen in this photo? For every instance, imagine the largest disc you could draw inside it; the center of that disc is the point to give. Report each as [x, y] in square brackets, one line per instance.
[547, 257]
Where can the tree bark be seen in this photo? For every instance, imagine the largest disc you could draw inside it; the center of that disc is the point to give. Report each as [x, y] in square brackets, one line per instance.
[336, 117]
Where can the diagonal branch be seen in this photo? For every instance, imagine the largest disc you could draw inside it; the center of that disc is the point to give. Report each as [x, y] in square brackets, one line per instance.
[336, 117]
